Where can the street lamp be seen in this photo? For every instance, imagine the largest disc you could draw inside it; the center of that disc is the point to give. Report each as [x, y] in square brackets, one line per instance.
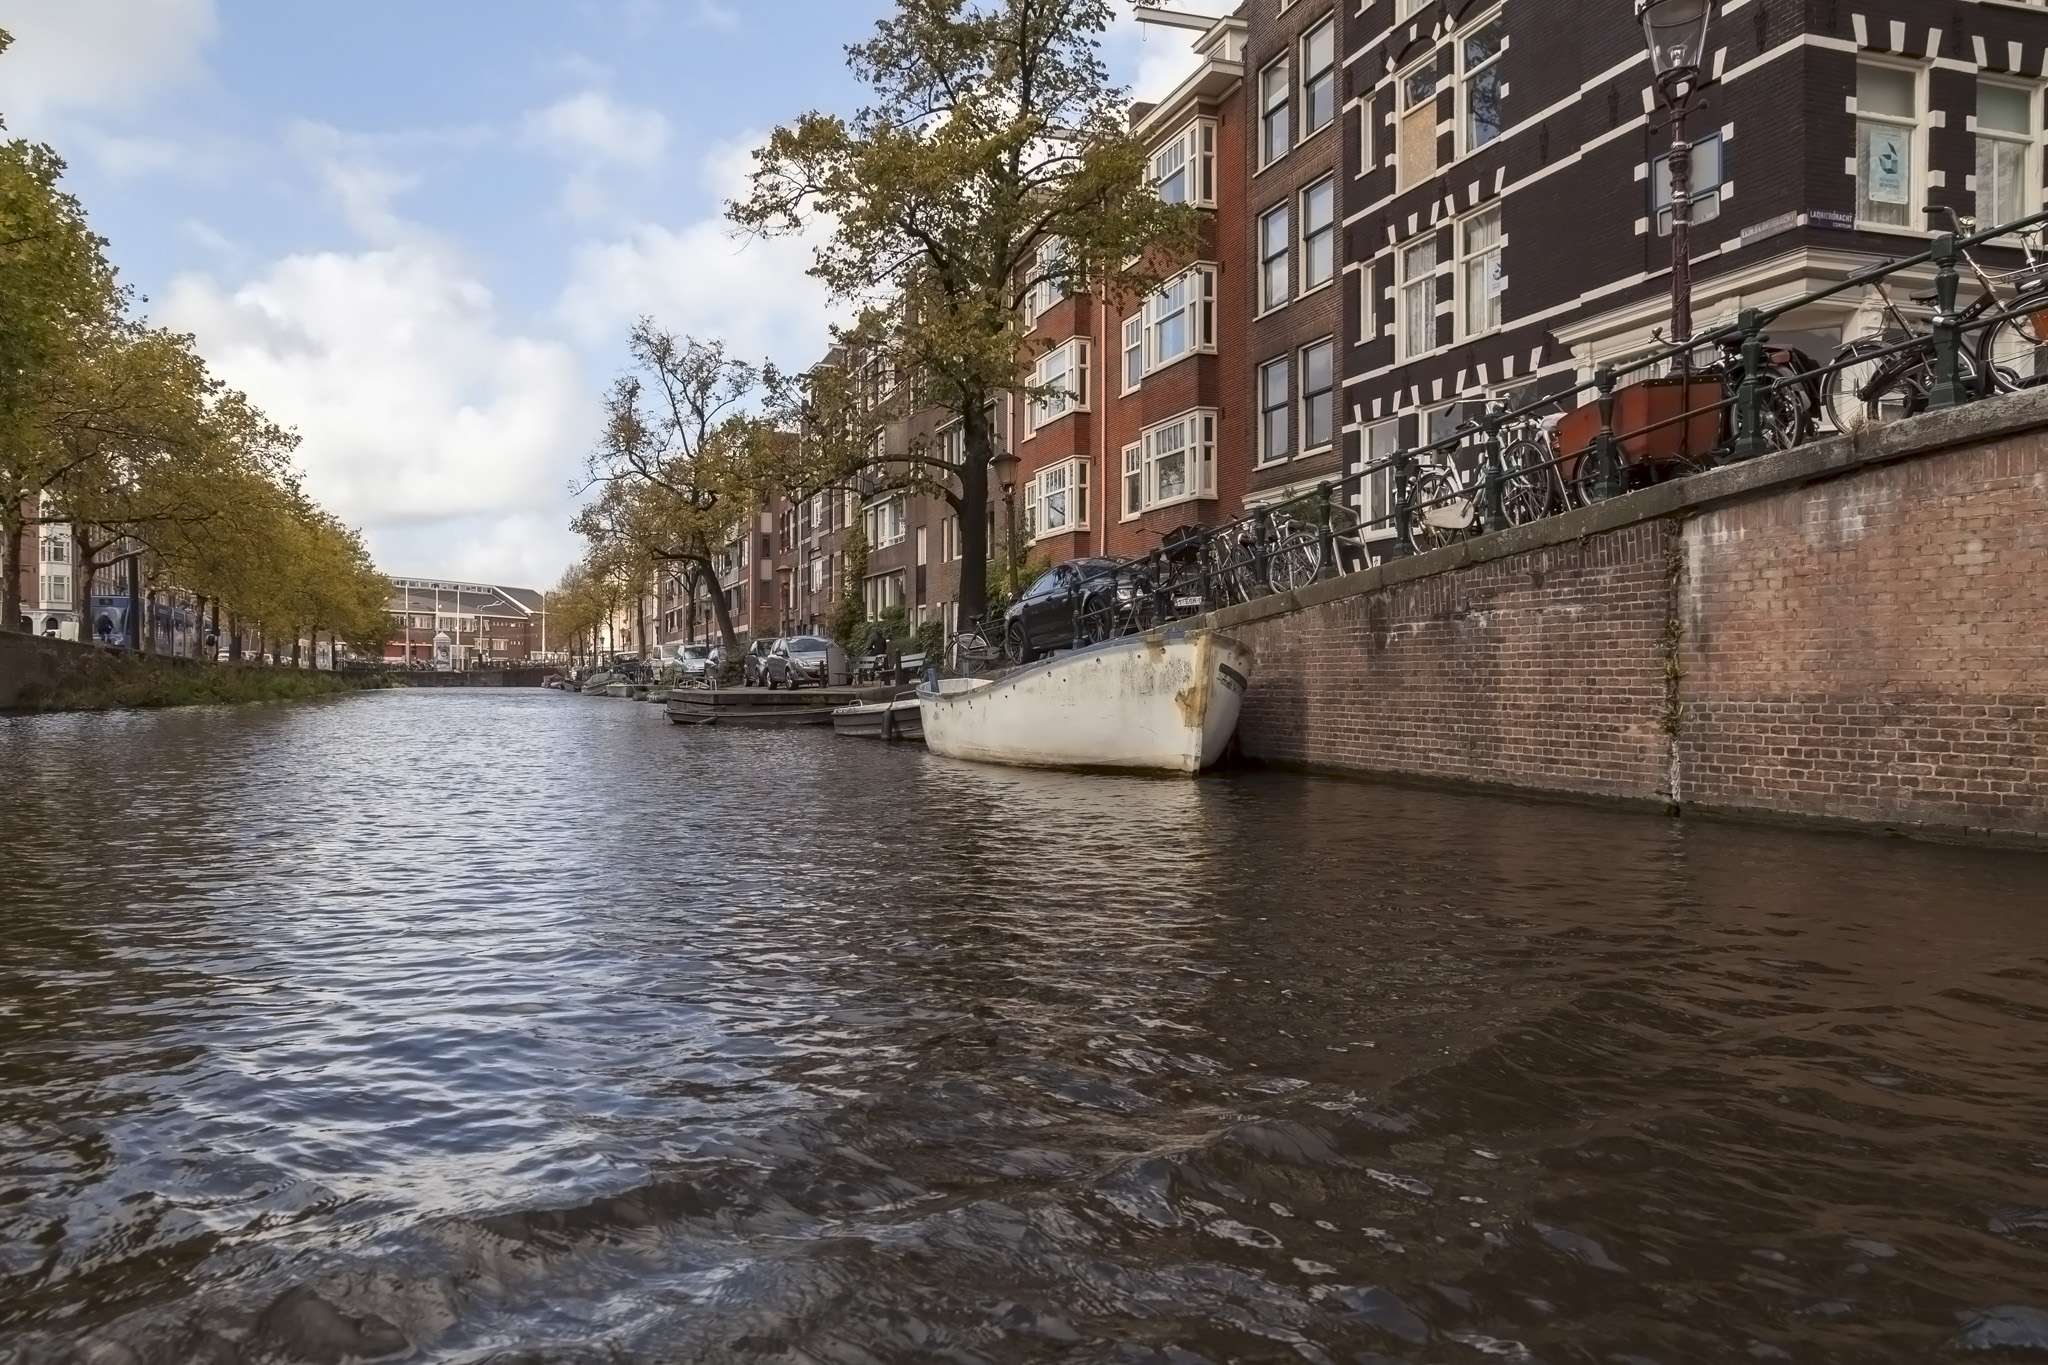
[1003, 464]
[1676, 32]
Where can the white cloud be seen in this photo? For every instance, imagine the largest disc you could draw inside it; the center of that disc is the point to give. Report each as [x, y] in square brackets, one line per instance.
[703, 280]
[87, 56]
[427, 421]
[712, 14]
[593, 124]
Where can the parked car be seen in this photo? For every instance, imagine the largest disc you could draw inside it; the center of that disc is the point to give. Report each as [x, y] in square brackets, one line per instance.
[1042, 619]
[798, 660]
[697, 665]
[754, 663]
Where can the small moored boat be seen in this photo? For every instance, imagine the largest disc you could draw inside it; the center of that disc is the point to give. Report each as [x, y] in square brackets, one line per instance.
[1164, 701]
[899, 718]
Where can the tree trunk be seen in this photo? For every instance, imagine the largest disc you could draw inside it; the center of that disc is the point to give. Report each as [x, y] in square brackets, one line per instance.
[234, 640]
[11, 526]
[974, 514]
[295, 650]
[708, 576]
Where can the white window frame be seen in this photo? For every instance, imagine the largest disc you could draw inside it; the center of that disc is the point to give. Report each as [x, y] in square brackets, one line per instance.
[1193, 434]
[1416, 119]
[1406, 8]
[1267, 409]
[1132, 370]
[1192, 150]
[1068, 479]
[1132, 501]
[1405, 290]
[1271, 259]
[1376, 443]
[1328, 394]
[1916, 144]
[2030, 160]
[1043, 295]
[1469, 74]
[1474, 275]
[1327, 233]
[1197, 310]
[887, 520]
[1067, 361]
[1311, 76]
[1276, 110]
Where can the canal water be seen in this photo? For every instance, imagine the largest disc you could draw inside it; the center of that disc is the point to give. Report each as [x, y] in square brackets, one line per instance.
[520, 1027]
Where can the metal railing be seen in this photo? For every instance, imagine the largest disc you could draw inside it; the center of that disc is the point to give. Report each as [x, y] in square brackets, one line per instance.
[1509, 467]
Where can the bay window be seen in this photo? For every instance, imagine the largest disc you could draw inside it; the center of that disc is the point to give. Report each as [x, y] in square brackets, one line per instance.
[1318, 397]
[1319, 234]
[1181, 318]
[1184, 170]
[1061, 376]
[1056, 500]
[2005, 152]
[1174, 461]
[1887, 143]
[1481, 275]
[1048, 275]
[1275, 276]
[1319, 77]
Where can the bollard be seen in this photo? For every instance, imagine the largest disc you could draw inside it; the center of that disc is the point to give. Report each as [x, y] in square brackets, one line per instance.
[1404, 497]
[1329, 536]
[1749, 394]
[1607, 456]
[1493, 512]
[1948, 388]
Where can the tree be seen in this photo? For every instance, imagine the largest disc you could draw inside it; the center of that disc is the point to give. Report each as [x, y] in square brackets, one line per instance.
[57, 292]
[992, 132]
[681, 466]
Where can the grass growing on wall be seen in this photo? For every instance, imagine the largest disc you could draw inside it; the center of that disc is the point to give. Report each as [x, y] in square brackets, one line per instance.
[222, 685]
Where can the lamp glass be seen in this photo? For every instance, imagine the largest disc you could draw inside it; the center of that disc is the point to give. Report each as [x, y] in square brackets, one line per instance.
[1004, 465]
[1676, 31]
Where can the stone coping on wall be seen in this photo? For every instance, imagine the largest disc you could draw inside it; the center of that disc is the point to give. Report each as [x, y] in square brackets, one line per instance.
[1889, 443]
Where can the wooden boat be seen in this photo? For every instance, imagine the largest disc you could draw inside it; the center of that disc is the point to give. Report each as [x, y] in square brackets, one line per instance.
[1164, 701]
[897, 718]
[595, 685]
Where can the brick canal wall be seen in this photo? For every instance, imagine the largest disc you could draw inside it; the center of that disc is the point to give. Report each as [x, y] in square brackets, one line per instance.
[34, 670]
[1854, 632]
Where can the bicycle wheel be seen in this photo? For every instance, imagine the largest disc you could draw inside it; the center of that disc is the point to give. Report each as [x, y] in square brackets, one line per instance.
[1441, 509]
[2013, 353]
[1297, 556]
[1529, 489]
[1874, 388]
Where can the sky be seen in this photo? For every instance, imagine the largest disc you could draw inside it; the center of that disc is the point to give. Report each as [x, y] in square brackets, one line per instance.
[417, 230]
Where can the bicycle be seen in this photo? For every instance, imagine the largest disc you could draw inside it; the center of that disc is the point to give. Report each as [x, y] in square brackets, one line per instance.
[1450, 496]
[1889, 374]
[971, 651]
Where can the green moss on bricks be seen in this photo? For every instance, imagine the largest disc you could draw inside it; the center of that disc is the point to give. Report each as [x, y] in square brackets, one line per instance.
[168, 686]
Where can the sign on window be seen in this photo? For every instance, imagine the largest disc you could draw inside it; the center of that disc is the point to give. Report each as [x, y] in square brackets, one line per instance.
[1888, 165]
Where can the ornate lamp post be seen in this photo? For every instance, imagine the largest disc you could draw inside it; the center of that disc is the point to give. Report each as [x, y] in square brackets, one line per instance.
[1003, 464]
[1676, 31]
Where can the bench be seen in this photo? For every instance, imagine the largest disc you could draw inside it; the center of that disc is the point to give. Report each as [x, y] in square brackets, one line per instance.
[909, 666]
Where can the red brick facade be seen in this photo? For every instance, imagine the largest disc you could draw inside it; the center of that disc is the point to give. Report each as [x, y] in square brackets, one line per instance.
[1837, 633]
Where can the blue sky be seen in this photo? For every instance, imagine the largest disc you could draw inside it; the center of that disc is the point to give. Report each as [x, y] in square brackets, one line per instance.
[416, 230]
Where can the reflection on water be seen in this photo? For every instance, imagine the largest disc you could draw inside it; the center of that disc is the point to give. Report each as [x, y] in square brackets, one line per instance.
[524, 1027]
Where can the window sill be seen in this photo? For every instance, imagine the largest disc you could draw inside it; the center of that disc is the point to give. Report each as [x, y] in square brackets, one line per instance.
[1276, 308]
[1894, 230]
[1330, 283]
[1169, 502]
[1180, 359]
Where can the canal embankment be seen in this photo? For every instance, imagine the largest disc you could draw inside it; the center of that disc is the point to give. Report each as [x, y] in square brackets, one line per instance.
[62, 675]
[1853, 632]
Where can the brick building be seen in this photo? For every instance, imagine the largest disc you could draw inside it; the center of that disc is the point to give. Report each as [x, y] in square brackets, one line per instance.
[1506, 204]
[484, 623]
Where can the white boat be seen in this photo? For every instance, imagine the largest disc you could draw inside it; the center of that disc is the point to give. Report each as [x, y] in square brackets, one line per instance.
[1164, 701]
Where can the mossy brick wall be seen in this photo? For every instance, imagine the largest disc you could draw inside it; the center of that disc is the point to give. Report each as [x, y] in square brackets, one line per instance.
[33, 669]
[1855, 632]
